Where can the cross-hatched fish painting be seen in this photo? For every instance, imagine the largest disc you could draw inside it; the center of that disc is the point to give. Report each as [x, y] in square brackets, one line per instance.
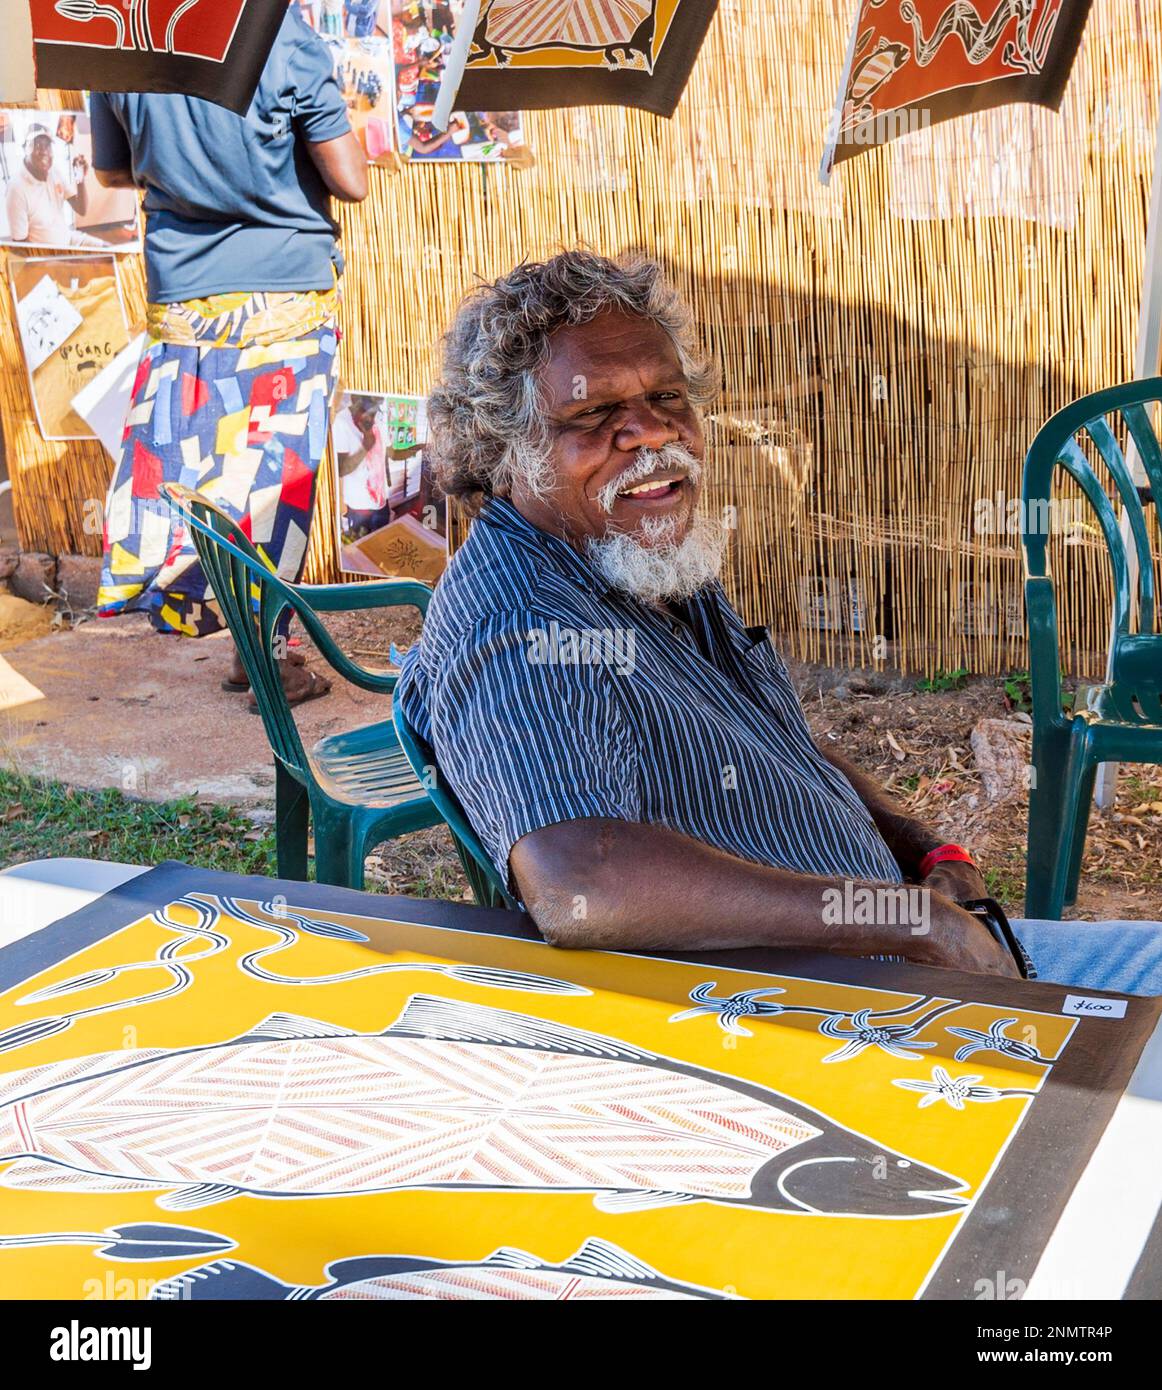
[248, 1089]
[597, 1270]
[455, 1096]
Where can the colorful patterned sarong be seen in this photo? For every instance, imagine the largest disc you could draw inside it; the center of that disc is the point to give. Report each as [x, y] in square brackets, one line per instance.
[231, 398]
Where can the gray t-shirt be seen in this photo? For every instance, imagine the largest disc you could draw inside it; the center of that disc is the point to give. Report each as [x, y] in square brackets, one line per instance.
[233, 202]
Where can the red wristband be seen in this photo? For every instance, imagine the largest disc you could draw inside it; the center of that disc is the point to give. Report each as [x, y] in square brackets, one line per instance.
[945, 854]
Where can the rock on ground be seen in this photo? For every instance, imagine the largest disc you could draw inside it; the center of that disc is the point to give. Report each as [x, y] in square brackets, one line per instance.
[1002, 750]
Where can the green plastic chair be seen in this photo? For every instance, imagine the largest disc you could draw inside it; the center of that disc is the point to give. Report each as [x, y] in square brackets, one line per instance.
[357, 787]
[486, 884]
[1120, 719]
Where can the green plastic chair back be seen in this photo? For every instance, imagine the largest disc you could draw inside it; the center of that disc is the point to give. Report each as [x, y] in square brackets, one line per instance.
[1134, 690]
[1119, 719]
[254, 601]
[358, 785]
[487, 887]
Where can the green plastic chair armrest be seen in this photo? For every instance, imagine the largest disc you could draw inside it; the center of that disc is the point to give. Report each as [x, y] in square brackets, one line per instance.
[305, 599]
[381, 682]
[377, 593]
[340, 598]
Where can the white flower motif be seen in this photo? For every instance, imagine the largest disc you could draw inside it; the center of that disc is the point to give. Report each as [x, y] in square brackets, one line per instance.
[954, 1090]
[731, 1009]
[995, 1040]
[861, 1034]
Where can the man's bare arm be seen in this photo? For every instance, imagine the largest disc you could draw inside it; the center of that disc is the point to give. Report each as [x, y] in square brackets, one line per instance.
[348, 463]
[343, 166]
[614, 884]
[115, 178]
[79, 199]
[908, 839]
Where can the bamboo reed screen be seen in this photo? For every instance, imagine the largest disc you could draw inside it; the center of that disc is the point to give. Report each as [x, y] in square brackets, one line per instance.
[890, 344]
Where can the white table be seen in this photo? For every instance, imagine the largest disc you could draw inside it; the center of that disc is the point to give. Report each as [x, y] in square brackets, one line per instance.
[36, 894]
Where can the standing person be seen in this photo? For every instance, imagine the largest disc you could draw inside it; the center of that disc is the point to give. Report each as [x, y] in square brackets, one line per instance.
[362, 17]
[233, 392]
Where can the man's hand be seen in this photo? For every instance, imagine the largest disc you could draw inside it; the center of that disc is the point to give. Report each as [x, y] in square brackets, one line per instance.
[369, 439]
[956, 880]
[957, 941]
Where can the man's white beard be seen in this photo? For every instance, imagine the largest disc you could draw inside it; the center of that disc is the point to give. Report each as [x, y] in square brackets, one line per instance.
[662, 568]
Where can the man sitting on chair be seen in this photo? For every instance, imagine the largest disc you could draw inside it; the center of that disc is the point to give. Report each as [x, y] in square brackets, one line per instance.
[633, 757]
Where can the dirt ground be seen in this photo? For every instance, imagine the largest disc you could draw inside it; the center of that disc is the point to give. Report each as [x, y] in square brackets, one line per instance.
[124, 707]
[917, 745]
[21, 621]
[110, 703]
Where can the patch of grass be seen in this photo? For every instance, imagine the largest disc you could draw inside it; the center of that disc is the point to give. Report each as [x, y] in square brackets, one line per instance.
[944, 680]
[44, 820]
[1006, 882]
[1019, 692]
[47, 820]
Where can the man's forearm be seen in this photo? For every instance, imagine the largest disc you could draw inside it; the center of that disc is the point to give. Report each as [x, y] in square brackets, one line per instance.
[609, 884]
[115, 178]
[348, 463]
[908, 839]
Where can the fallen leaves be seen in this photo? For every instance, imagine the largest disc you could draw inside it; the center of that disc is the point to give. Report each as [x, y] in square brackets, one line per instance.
[917, 746]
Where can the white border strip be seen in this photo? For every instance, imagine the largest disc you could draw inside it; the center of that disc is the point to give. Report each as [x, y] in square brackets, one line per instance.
[453, 73]
[1102, 1232]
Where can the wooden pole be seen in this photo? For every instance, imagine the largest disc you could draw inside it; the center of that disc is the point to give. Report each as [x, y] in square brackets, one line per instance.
[1145, 364]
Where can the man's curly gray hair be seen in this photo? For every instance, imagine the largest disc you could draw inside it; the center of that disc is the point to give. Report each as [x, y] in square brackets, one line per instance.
[488, 418]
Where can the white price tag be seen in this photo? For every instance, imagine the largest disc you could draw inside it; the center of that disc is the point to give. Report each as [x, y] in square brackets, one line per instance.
[1085, 1006]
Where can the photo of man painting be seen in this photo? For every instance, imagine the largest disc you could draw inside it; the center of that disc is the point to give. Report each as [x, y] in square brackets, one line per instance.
[392, 513]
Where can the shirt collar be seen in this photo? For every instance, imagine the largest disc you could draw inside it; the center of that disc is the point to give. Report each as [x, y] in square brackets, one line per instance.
[499, 514]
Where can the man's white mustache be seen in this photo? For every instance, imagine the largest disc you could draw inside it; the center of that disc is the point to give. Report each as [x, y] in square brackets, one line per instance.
[647, 461]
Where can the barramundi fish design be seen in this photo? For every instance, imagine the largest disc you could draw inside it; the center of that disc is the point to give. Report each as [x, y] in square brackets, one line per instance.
[599, 1269]
[451, 1096]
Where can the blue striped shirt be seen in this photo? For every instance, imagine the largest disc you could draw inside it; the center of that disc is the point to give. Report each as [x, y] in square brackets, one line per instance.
[549, 697]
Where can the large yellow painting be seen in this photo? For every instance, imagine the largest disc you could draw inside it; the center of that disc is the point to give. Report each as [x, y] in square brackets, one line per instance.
[238, 1098]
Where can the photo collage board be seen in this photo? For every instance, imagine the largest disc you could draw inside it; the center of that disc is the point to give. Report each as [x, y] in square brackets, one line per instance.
[391, 514]
[390, 56]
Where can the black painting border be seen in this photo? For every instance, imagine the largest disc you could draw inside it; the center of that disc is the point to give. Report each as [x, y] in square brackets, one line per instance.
[536, 89]
[1007, 1229]
[230, 82]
